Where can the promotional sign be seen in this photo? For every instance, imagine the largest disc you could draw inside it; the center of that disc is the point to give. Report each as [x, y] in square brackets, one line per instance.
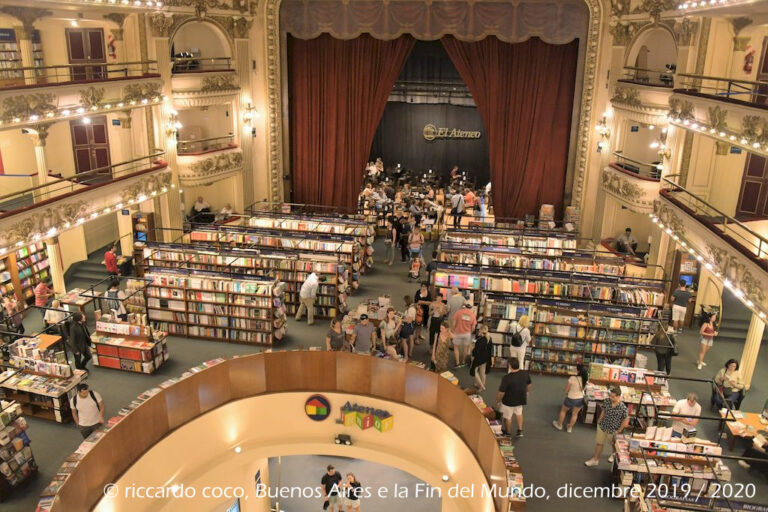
[366, 417]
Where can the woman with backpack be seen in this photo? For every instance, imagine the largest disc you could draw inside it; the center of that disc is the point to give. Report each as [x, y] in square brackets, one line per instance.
[520, 339]
[481, 356]
[115, 298]
[574, 398]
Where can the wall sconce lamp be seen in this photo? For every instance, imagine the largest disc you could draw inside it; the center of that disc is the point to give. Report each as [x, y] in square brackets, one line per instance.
[249, 114]
[174, 125]
[660, 145]
[605, 133]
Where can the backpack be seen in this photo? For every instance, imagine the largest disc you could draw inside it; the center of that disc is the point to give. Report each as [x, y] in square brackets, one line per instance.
[112, 301]
[517, 340]
[93, 397]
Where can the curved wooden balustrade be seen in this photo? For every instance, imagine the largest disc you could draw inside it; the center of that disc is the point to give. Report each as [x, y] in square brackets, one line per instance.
[278, 372]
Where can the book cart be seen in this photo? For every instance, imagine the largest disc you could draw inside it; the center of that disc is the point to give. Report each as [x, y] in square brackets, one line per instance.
[39, 377]
[17, 463]
[131, 345]
[288, 266]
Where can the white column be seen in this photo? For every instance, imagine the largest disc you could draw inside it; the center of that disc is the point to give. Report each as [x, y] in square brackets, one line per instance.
[24, 36]
[55, 264]
[658, 255]
[126, 135]
[125, 231]
[243, 129]
[39, 134]
[751, 349]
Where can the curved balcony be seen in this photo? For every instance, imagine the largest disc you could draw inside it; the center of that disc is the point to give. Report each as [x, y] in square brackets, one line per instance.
[224, 404]
[61, 204]
[194, 147]
[182, 65]
[69, 74]
[206, 167]
[634, 184]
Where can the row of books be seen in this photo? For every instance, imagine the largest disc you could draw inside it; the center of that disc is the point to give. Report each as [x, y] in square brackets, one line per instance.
[467, 254]
[511, 240]
[17, 462]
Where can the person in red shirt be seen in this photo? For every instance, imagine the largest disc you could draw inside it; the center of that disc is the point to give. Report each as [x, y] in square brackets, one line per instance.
[463, 322]
[110, 261]
[469, 200]
[43, 293]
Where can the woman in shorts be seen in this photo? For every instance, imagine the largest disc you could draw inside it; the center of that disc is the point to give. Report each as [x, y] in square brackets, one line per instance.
[707, 338]
[574, 398]
[353, 491]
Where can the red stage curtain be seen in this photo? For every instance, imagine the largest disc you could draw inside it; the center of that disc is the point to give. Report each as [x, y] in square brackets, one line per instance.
[524, 92]
[338, 91]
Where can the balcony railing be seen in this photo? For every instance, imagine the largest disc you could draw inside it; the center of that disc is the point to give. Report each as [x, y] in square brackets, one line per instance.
[53, 189]
[209, 145]
[736, 233]
[665, 78]
[201, 64]
[641, 169]
[41, 76]
[747, 92]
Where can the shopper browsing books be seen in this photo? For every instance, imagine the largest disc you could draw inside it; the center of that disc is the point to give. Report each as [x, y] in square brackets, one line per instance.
[457, 207]
[55, 315]
[331, 491]
[43, 293]
[80, 341]
[115, 298]
[513, 395]
[335, 340]
[664, 343]
[14, 320]
[730, 383]
[686, 407]
[423, 299]
[707, 336]
[574, 398]
[307, 296]
[364, 338]
[390, 240]
[87, 410]
[680, 299]
[523, 332]
[462, 326]
[481, 356]
[613, 419]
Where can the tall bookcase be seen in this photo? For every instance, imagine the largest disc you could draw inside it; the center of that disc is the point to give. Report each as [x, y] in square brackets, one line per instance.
[10, 57]
[532, 240]
[216, 306]
[17, 463]
[22, 269]
[289, 267]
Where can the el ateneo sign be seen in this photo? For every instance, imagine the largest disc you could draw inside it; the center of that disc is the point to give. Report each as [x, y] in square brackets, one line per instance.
[432, 132]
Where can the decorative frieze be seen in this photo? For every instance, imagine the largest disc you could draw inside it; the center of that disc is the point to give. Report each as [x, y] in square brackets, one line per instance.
[635, 193]
[208, 170]
[717, 118]
[217, 83]
[621, 187]
[729, 265]
[28, 106]
[626, 96]
[669, 217]
[91, 97]
[654, 8]
[681, 109]
[754, 128]
[141, 90]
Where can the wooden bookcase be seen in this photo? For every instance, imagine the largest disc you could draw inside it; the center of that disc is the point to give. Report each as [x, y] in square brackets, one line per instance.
[215, 306]
[22, 269]
[290, 267]
[17, 463]
[41, 396]
[10, 57]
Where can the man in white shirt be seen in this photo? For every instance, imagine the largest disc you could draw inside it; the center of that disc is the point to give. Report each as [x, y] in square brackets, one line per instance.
[627, 243]
[686, 407]
[307, 296]
[87, 410]
[201, 204]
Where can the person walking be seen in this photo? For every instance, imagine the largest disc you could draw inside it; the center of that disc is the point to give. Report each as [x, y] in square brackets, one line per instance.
[405, 233]
[332, 490]
[664, 343]
[87, 410]
[455, 302]
[613, 420]
[14, 318]
[307, 296]
[353, 491]
[437, 313]
[574, 398]
[707, 337]
[43, 293]
[80, 341]
[115, 300]
[457, 207]
[335, 340]
[523, 337]
[441, 350]
[364, 336]
[680, 299]
[513, 395]
[462, 327]
[390, 241]
[481, 357]
[415, 241]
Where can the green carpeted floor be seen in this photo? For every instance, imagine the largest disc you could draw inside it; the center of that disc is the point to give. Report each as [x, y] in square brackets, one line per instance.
[549, 458]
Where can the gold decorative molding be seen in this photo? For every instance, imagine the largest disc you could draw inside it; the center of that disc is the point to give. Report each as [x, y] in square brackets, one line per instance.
[654, 8]
[619, 7]
[27, 16]
[624, 31]
[125, 122]
[139, 91]
[161, 25]
[212, 169]
[621, 187]
[636, 194]
[145, 186]
[202, 6]
[737, 272]
[38, 223]
[754, 129]
[669, 217]
[217, 83]
[26, 106]
[116, 18]
[740, 43]
[91, 97]
[40, 133]
[685, 31]
[681, 109]
[626, 96]
[717, 118]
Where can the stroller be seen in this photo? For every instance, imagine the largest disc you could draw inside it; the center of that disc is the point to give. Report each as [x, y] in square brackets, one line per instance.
[417, 264]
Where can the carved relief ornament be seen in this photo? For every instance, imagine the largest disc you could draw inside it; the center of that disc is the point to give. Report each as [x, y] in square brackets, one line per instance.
[737, 272]
[626, 96]
[669, 217]
[621, 187]
[25, 106]
[217, 83]
[39, 222]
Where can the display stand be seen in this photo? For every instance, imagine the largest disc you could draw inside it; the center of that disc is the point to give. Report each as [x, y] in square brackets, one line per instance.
[640, 389]
[129, 347]
[17, 463]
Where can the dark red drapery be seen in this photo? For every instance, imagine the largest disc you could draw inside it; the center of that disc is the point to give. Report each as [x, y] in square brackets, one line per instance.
[338, 91]
[524, 92]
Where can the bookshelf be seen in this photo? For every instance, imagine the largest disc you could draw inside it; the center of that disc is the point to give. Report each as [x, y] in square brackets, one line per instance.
[214, 306]
[548, 242]
[143, 228]
[10, 57]
[22, 269]
[129, 347]
[289, 267]
[17, 463]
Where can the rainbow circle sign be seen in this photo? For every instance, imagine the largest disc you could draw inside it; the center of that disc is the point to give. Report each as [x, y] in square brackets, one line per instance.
[366, 417]
[317, 407]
